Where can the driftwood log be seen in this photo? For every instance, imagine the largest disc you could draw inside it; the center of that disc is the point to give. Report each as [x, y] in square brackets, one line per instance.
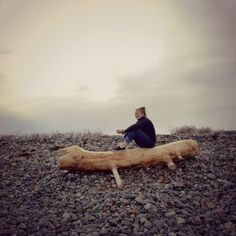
[77, 158]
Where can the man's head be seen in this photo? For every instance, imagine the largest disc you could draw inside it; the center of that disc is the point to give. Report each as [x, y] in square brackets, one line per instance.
[140, 112]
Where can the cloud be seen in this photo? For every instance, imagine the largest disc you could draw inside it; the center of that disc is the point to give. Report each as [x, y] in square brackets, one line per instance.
[185, 91]
[16, 123]
[3, 86]
[216, 74]
[212, 20]
[5, 51]
[192, 82]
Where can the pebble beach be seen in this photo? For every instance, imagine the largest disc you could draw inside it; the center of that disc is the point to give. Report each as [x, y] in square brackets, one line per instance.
[37, 198]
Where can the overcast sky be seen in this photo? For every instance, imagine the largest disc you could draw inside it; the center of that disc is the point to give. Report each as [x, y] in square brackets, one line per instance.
[70, 65]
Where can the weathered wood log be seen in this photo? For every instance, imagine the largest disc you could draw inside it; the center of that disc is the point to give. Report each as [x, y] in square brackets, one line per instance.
[77, 158]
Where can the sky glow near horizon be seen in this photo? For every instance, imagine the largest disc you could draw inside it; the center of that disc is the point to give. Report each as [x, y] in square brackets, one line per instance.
[78, 65]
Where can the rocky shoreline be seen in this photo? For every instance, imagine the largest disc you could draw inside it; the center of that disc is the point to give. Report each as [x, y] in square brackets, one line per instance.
[36, 198]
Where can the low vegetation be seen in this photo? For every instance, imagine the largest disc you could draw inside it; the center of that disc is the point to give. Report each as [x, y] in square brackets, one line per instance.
[84, 134]
[192, 129]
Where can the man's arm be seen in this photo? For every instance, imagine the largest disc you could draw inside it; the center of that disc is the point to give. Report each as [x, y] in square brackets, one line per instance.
[136, 126]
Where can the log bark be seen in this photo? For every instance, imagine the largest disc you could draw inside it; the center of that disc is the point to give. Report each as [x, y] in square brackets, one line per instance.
[77, 158]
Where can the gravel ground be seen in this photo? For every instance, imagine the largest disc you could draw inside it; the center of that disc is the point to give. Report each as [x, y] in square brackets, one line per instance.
[36, 198]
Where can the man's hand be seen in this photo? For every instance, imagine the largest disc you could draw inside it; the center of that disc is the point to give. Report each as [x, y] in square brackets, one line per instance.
[120, 131]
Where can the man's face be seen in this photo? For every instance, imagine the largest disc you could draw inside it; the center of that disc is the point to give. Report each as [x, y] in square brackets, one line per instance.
[138, 114]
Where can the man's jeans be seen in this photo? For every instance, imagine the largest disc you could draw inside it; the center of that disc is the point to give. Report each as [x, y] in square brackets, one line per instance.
[140, 138]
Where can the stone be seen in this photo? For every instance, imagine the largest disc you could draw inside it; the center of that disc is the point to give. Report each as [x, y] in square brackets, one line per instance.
[71, 177]
[196, 220]
[43, 222]
[179, 203]
[22, 226]
[148, 206]
[143, 220]
[21, 219]
[178, 184]
[180, 220]
[73, 216]
[211, 176]
[158, 223]
[33, 227]
[148, 224]
[139, 198]
[129, 196]
[211, 205]
[172, 234]
[103, 231]
[196, 203]
[228, 225]
[77, 222]
[21, 232]
[170, 213]
[66, 216]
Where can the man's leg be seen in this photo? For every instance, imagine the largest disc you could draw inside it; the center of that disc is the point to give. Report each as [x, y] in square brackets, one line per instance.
[129, 136]
[141, 139]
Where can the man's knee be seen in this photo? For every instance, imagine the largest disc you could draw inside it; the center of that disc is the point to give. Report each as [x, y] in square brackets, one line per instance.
[131, 133]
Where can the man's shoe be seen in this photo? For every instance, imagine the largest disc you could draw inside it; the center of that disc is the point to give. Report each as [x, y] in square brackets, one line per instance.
[119, 148]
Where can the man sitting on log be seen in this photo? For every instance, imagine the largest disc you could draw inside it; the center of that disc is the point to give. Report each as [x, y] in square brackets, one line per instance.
[142, 132]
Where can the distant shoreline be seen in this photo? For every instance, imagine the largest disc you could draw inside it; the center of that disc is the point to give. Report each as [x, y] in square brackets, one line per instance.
[98, 134]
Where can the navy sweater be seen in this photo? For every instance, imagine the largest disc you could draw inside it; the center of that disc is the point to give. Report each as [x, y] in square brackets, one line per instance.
[146, 126]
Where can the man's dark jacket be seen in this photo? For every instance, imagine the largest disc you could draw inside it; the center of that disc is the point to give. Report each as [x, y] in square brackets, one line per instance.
[146, 126]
